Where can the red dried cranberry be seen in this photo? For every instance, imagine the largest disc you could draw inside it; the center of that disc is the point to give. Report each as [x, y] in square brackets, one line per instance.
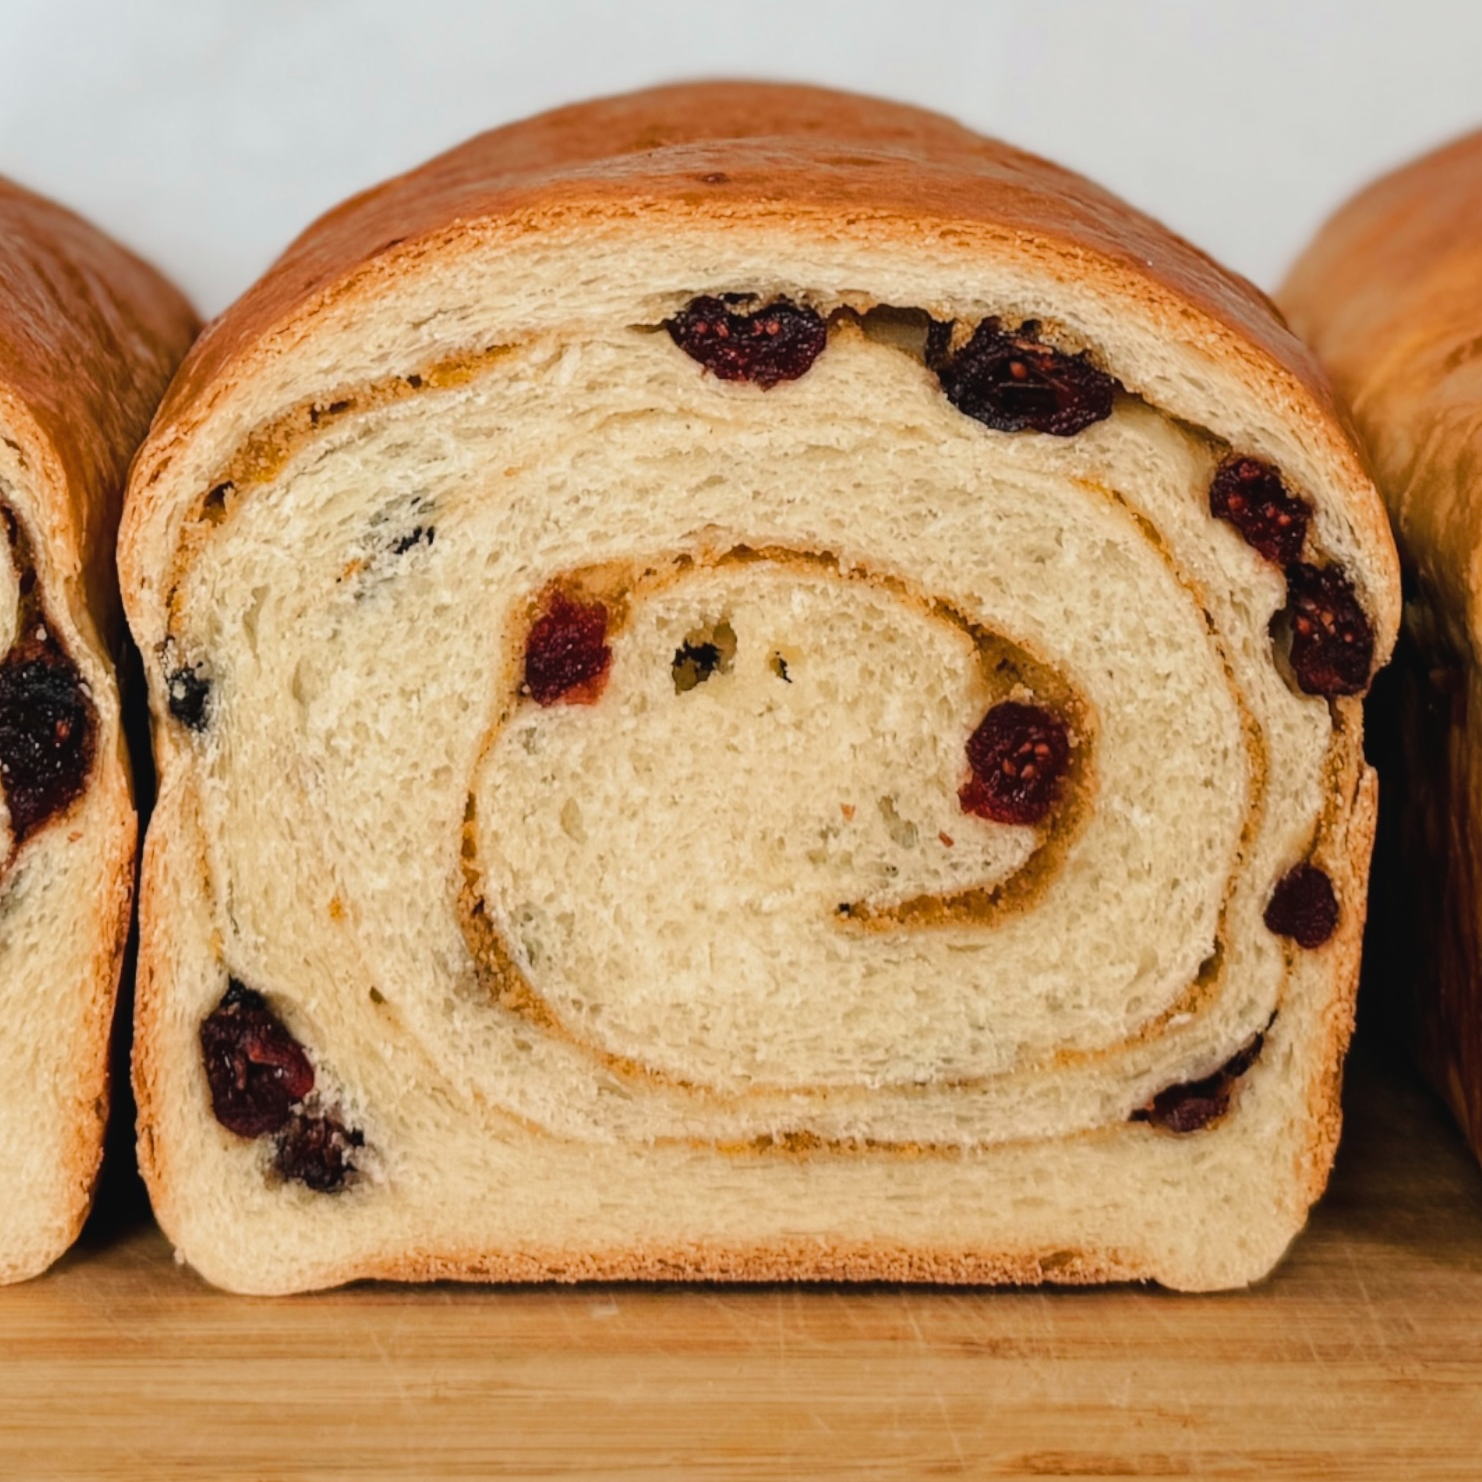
[1017, 755]
[189, 695]
[318, 1151]
[47, 732]
[566, 654]
[1251, 496]
[1303, 907]
[777, 343]
[1332, 642]
[1194, 1104]
[1016, 383]
[1189, 1107]
[255, 1068]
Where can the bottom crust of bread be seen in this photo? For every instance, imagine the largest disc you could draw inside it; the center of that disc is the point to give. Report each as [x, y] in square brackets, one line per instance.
[1212, 1210]
[796, 1261]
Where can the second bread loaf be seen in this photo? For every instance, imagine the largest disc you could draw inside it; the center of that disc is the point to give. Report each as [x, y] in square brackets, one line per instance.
[1390, 295]
[88, 338]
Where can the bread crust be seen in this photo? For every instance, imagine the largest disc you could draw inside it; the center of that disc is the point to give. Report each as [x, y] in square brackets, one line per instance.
[820, 162]
[741, 152]
[1390, 296]
[89, 336]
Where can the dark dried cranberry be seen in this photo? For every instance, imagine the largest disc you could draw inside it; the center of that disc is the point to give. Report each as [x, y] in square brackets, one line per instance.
[1016, 383]
[421, 535]
[189, 697]
[694, 663]
[1194, 1104]
[317, 1151]
[1189, 1107]
[47, 732]
[566, 654]
[1303, 907]
[255, 1068]
[1017, 755]
[1251, 496]
[1332, 642]
[704, 652]
[777, 343]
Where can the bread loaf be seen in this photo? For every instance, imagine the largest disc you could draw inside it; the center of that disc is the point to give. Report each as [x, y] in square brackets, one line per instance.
[88, 338]
[749, 684]
[1390, 295]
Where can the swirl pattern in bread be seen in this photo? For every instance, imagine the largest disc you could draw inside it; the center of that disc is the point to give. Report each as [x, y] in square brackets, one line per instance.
[742, 678]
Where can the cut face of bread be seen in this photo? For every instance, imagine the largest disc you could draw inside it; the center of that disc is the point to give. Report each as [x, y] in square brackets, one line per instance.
[719, 739]
[88, 336]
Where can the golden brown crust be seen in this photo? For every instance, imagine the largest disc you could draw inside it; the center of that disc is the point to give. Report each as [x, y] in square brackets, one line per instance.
[88, 338]
[1390, 295]
[728, 148]
[1346, 859]
[770, 1261]
[147, 1000]
[751, 152]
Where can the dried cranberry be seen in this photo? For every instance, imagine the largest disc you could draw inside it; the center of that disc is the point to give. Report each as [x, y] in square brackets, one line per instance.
[1194, 1104]
[420, 535]
[47, 732]
[694, 663]
[704, 652]
[566, 654]
[777, 343]
[1017, 755]
[1189, 1107]
[189, 697]
[318, 1151]
[255, 1068]
[1251, 496]
[1016, 383]
[1303, 907]
[1332, 642]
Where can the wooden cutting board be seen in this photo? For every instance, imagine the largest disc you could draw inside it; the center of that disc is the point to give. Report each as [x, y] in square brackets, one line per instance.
[1360, 1358]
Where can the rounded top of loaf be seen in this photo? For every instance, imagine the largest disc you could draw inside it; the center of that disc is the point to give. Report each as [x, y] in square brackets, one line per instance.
[1405, 246]
[89, 335]
[727, 149]
[1390, 295]
[764, 155]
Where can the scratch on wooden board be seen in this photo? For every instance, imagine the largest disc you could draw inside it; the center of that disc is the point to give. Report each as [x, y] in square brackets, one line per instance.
[951, 1430]
[914, 1323]
[1371, 1311]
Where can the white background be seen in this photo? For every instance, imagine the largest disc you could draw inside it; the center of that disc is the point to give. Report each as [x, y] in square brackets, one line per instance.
[206, 133]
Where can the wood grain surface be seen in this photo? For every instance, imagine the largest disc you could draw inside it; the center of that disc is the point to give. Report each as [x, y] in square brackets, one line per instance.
[1360, 1358]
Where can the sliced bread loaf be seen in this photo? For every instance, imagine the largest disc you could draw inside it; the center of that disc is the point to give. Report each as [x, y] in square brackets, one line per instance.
[88, 338]
[749, 684]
